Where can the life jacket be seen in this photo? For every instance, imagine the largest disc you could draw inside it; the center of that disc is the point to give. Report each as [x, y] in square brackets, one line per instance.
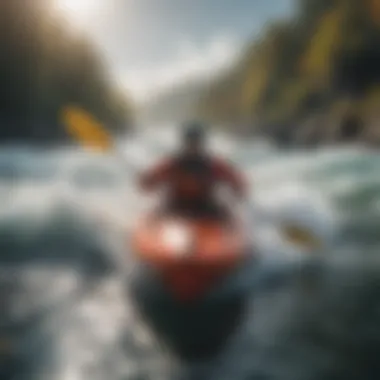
[192, 177]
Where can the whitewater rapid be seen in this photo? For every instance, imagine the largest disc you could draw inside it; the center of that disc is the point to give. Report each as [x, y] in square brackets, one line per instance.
[65, 264]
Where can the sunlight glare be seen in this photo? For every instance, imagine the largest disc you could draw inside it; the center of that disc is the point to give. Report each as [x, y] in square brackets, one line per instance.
[78, 9]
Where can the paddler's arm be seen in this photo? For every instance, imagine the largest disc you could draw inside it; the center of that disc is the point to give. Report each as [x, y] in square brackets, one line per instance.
[156, 176]
[232, 177]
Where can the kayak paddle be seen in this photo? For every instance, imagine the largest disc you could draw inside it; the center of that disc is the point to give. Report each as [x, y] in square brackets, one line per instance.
[90, 132]
[86, 129]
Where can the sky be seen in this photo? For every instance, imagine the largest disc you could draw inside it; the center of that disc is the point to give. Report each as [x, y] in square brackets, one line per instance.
[151, 44]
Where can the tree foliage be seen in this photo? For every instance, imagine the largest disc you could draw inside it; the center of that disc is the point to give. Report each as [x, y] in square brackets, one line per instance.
[44, 66]
[328, 53]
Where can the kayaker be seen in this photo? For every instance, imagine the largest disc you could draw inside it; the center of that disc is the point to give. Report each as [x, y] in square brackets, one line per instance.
[191, 176]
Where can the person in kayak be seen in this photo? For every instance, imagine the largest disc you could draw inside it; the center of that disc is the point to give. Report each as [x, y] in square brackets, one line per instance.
[192, 176]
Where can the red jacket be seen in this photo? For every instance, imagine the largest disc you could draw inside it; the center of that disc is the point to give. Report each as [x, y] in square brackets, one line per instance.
[184, 185]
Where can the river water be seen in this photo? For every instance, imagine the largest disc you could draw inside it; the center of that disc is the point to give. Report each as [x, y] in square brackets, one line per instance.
[65, 264]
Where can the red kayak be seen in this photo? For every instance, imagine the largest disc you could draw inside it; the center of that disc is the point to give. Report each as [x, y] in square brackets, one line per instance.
[182, 262]
[191, 256]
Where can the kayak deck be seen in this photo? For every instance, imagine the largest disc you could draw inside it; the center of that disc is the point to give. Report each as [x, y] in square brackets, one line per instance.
[189, 255]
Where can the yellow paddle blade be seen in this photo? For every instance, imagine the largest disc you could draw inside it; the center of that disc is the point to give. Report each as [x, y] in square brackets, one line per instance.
[301, 237]
[86, 129]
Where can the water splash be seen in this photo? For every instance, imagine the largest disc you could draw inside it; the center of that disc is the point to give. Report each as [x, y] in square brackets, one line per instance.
[64, 268]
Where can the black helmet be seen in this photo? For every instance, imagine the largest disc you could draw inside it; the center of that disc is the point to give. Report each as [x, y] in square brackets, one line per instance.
[194, 131]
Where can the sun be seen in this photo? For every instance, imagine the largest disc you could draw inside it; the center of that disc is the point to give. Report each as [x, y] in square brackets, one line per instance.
[78, 9]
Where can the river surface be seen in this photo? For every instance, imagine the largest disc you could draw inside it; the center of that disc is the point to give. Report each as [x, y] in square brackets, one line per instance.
[65, 266]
